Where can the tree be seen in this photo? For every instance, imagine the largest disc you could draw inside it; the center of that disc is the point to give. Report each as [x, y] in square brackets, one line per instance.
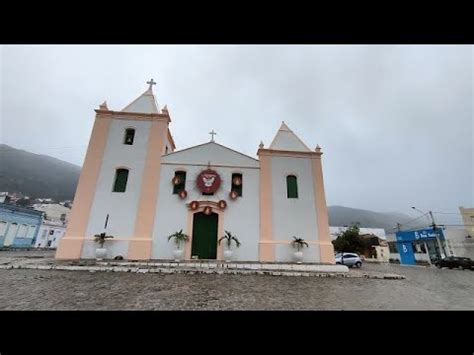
[350, 240]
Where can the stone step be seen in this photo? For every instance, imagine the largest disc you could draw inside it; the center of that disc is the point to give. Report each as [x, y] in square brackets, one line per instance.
[287, 267]
[220, 271]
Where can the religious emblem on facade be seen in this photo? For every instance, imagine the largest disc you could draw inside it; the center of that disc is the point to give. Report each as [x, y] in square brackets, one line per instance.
[208, 181]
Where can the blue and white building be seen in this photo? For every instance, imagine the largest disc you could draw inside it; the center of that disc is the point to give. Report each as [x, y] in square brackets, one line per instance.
[418, 246]
[19, 226]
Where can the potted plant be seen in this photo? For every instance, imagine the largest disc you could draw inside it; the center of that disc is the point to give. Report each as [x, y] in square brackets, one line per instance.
[228, 237]
[179, 238]
[298, 244]
[101, 252]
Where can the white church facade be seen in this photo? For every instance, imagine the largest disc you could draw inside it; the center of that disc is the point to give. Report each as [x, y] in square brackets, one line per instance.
[136, 187]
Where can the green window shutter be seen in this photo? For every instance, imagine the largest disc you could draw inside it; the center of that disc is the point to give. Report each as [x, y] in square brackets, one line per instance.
[182, 185]
[121, 177]
[237, 188]
[291, 186]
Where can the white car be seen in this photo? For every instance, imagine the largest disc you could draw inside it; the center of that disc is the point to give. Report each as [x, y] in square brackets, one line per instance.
[348, 259]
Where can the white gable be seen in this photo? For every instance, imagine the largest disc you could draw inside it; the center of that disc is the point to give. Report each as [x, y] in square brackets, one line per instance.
[145, 103]
[211, 152]
[285, 139]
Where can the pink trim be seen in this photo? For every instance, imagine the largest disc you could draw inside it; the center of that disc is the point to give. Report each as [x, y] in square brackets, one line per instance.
[70, 247]
[326, 248]
[267, 252]
[141, 250]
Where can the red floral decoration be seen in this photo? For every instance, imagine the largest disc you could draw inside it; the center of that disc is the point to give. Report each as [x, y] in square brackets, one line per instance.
[207, 210]
[237, 181]
[222, 204]
[194, 205]
[183, 194]
[176, 180]
[233, 195]
[208, 181]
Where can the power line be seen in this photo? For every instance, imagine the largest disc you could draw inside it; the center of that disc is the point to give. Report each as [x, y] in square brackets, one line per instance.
[467, 213]
[463, 225]
[412, 220]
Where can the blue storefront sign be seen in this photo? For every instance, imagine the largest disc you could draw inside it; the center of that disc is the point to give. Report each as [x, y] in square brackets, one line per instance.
[406, 253]
[405, 241]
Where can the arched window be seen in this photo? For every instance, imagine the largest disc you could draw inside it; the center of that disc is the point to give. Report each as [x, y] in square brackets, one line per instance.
[121, 177]
[129, 136]
[181, 179]
[291, 186]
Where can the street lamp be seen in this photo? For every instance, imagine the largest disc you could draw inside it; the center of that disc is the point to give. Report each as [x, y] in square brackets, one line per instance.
[424, 213]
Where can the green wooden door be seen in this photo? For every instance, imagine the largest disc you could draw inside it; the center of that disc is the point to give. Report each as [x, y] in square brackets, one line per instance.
[204, 243]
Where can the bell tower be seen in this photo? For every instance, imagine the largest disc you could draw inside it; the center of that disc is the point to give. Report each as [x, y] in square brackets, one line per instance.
[119, 179]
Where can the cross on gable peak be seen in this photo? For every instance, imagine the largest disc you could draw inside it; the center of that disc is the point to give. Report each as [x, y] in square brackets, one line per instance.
[212, 133]
[151, 83]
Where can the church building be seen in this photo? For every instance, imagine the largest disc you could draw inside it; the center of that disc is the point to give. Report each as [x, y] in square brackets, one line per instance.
[137, 187]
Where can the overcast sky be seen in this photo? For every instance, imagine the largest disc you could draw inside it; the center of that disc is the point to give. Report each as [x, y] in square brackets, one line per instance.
[395, 122]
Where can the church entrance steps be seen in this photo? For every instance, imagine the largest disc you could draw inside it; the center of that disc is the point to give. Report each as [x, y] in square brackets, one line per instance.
[200, 267]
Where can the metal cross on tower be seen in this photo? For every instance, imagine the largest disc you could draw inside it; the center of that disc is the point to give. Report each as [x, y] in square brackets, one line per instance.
[212, 133]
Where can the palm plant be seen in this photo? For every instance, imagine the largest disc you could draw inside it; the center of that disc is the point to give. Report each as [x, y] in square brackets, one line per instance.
[299, 243]
[228, 237]
[100, 238]
[179, 237]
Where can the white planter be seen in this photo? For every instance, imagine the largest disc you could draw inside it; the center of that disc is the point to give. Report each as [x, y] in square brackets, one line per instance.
[178, 254]
[100, 253]
[228, 255]
[298, 256]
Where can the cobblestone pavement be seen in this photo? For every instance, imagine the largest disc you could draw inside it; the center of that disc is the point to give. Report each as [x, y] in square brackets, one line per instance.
[424, 288]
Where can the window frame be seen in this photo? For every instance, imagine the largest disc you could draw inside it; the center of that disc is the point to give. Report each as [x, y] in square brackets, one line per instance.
[31, 231]
[182, 186]
[127, 130]
[116, 176]
[237, 188]
[295, 186]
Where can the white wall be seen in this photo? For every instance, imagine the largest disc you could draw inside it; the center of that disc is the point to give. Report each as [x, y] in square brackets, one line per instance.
[290, 216]
[121, 207]
[395, 256]
[457, 242]
[53, 211]
[422, 257]
[241, 217]
[215, 153]
[44, 236]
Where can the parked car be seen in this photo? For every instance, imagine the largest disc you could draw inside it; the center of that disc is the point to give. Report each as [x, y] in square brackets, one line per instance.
[455, 262]
[348, 259]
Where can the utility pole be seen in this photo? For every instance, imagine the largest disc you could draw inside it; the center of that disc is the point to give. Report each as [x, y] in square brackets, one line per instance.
[435, 229]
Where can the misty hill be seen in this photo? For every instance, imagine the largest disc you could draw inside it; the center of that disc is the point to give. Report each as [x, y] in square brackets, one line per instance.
[37, 175]
[344, 216]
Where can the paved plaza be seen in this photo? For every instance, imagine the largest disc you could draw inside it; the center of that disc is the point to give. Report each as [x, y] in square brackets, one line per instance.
[423, 288]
